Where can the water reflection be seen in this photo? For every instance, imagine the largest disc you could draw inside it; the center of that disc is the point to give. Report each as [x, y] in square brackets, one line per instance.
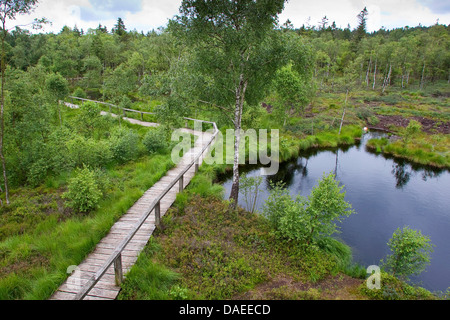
[387, 193]
[286, 174]
[402, 174]
[402, 171]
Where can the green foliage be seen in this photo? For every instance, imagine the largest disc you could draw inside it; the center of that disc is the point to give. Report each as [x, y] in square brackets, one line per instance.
[83, 193]
[309, 219]
[285, 214]
[57, 86]
[429, 150]
[34, 261]
[412, 130]
[80, 93]
[250, 188]
[294, 92]
[410, 253]
[155, 140]
[124, 144]
[125, 103]
[326, 205]
[395, 289]
[92, 152]
[88, 119]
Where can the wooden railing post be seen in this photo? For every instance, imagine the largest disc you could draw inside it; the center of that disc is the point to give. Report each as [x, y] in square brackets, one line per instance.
[158, 214]
[196, 165]
[118, 271]
[181, 184]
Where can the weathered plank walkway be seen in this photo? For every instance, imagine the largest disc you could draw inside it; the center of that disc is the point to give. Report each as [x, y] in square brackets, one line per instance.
[106, 288]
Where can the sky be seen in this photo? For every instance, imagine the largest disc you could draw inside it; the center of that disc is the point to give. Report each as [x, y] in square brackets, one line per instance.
[147, 15]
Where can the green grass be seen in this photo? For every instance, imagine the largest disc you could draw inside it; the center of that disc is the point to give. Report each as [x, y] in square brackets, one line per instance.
[34, 263]
[218, 253]
[155, 281]
[430, 150]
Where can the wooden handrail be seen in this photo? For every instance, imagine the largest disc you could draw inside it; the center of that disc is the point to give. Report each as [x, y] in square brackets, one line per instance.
[138, 111]
[113, 105]
[116, 256]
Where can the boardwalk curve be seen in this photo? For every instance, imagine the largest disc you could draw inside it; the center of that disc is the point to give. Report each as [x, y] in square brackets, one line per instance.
[99, 276]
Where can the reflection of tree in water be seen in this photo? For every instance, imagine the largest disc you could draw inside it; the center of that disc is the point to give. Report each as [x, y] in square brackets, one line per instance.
[286, 173]
[337, 163]
[430, 173]
[401, 174]
[403, 171]
[305, 169]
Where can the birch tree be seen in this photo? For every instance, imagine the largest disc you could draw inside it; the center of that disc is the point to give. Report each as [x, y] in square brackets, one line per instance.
[235, 54]
[9, 9]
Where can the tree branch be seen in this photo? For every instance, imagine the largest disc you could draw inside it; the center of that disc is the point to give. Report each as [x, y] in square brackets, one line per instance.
[224, 110]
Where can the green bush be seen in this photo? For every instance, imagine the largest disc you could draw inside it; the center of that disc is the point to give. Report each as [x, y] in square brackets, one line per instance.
[83, 193]
[89, 152]
[410, 253]
[308, 219]
[412, 130]
[285, 214]
[89, 119]
[80, 93]
[155, 140]
[373, 120]
[124, 145]
[364, 113]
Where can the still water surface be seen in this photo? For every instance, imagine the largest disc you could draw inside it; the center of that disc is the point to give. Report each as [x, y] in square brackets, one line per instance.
[385, 193]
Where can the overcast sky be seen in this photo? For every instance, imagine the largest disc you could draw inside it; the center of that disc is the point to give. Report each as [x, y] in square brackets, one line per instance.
[146, 15]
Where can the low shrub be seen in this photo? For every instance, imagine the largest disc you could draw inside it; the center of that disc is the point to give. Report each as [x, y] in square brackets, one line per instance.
[155, 140]
[83, 193]
[124, 144]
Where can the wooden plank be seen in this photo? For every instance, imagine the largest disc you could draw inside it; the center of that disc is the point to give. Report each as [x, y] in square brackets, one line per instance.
[59, 295]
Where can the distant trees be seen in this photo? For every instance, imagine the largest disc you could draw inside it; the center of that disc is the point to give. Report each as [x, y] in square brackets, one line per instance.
[361, 30]
[293, 90]
[402, 58]
[119, 28]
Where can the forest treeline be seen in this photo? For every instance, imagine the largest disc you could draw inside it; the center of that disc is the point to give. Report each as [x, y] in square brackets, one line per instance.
[123, 66]
[119, 62]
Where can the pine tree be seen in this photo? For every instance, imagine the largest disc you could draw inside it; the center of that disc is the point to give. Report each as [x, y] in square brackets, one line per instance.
[120, 28]
[362, 25]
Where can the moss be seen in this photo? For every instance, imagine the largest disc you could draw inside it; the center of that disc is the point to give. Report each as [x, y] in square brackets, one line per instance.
[395, 289]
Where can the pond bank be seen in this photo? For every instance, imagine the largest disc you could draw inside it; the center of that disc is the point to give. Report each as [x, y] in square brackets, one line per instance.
[386, 193]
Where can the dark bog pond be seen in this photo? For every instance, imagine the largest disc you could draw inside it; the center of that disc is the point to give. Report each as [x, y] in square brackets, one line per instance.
[385, 193]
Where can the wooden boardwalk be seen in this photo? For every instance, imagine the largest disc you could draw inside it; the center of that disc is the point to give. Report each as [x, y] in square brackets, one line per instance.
[106, 288]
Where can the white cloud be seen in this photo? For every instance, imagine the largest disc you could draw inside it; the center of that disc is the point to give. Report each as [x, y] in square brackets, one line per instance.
[387, 13]
[154, 14]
